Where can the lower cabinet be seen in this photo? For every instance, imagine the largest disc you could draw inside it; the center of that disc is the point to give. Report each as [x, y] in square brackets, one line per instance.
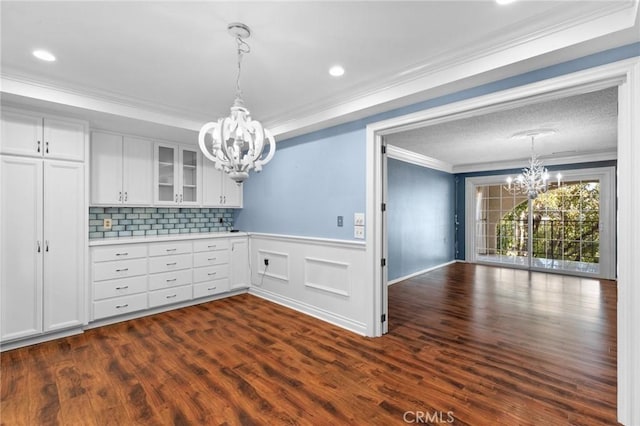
[127, 278]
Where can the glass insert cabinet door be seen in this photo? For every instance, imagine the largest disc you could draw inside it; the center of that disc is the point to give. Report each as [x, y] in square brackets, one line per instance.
[189, 176]
[166, 174]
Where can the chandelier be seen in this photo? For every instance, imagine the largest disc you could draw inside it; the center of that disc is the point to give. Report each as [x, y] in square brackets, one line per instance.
[237, 141]
[534, 180]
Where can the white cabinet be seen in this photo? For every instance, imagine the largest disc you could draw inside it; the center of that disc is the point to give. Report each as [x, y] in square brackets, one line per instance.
[34, 135]
[121, 170]
[239, 252]
[218, 190]
[211, 267]
[42, 234]
[177, 175]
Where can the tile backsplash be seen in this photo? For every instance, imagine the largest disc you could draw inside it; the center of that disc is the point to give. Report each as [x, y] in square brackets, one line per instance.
[143, 221]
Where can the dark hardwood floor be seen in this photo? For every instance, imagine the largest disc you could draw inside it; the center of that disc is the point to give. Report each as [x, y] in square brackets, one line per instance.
[467, 345]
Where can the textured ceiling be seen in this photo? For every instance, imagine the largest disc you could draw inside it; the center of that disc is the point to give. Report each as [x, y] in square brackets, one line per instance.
[586, 124]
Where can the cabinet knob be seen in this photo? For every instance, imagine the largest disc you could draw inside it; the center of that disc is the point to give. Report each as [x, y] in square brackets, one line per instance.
[120, 196]
[180, 197]
[38, 246]
[171, 296]
[124, 287]
[122, 306]
[46, 245]
[126, 196]
[176, 198]
[46, 144]
[38, 147]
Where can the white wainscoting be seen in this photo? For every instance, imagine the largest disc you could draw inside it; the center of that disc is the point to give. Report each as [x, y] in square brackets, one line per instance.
[320, 277]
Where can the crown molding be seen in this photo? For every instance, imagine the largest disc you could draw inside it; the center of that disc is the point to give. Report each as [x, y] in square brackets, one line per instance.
[418, 159]
[587, 157]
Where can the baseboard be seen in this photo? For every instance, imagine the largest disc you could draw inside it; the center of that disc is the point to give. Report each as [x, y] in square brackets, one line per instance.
[7, 346]
[340, 321]
[424, 271]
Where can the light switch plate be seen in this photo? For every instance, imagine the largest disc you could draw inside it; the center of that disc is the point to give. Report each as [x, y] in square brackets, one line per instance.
[358, 219]
[340, 220]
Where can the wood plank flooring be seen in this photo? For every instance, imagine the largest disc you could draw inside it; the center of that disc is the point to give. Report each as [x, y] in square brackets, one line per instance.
[468, 344]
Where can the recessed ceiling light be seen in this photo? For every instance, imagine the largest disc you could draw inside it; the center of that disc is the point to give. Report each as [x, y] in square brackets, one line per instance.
[44, 55]
[336, 71]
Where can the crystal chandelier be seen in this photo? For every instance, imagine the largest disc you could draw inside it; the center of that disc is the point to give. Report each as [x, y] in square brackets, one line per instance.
[237, 142]
[534, 180]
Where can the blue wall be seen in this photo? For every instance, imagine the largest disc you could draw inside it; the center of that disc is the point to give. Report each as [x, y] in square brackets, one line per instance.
[316, 177]
[460, 182]
[420, 227]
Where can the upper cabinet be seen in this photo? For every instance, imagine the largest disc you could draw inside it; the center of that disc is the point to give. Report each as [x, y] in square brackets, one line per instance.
[120, 170]
[218, 190]
[177, 175]
[35, 135]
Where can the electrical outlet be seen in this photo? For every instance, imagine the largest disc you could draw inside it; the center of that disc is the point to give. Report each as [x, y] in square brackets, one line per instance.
[106, 224]
[358, 219]
[266, 262]
[358, 232]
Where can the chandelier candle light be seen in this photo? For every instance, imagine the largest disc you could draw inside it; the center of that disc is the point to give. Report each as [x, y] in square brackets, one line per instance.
[534, 179]
[237, 142]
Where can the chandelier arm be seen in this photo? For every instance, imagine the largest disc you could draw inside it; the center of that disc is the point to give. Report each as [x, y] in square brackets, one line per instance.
[202, 141]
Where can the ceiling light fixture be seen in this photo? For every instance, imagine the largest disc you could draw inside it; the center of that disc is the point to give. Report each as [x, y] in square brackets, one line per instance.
[44, 55]
[505, 1]
[534, 179]
[238, 142]
[336, 71]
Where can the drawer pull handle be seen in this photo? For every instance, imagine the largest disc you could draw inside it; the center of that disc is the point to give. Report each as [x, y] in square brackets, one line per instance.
[122, 270]
[126, 305]
[211, 258]
[172, 249]
[171, 296]
[213, 246]
[172, 263]
[212, 288]
[171, 280]
[212, 273]
[124, 287]
[122, 254]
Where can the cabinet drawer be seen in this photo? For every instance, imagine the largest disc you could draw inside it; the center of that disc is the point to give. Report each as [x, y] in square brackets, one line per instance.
[210, 288]
[212, 244]
[119, 269]
[209, 273]
[119, 305]
[169, 263]
[169, 279]
[169, 295]
[115, 288]
[119, 252]
[209, 258]
[162, 249]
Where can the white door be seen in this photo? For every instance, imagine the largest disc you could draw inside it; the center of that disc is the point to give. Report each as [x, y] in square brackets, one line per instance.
[21, 247]
[136, 171]
[63, 139]
[165, 175]
[239, 263]
[64, 260]
[106, 168]
[21, 134]
[189, 177]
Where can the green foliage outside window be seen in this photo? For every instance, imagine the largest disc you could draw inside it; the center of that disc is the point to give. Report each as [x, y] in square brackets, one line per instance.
[565, 225]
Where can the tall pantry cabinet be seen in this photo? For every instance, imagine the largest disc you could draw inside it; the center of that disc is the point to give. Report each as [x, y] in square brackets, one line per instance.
[43, 228]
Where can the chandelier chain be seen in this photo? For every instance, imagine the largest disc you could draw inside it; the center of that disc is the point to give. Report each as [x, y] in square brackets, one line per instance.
[243, 47]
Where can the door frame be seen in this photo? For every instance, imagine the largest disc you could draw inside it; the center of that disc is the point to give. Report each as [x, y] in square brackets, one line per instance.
[626, 75]
[606, 177]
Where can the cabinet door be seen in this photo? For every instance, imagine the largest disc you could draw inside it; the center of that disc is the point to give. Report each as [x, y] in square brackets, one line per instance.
[106, 168]
[21, 247]
[64, 232]
[21, 134]
[165, 177]
[231, 192]
[190, 177]
[239, 263]
[63, 140]
[211, 185]
[137, 172]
